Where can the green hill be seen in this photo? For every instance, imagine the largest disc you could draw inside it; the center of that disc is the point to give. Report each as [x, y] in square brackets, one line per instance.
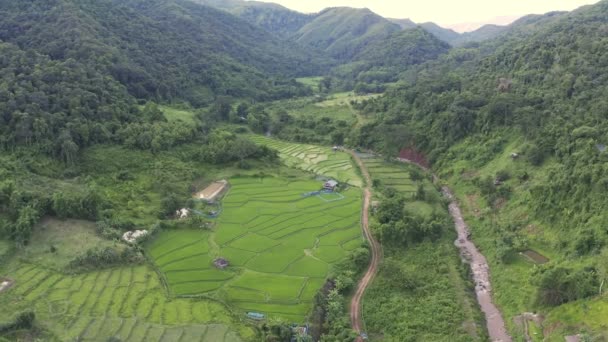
[403, 48]
[157, 49]
[404, 23]
[272, 17]
[447, 35]
[518, 127]
[344, 32]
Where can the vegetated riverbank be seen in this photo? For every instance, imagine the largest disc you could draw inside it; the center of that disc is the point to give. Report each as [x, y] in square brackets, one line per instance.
[479, 267]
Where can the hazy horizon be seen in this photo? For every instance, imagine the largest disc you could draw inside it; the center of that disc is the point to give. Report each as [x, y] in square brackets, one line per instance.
[461, 16]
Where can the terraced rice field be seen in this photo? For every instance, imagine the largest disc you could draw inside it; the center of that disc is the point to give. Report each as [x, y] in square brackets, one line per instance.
[318, 159]
[390, 174]
[128, 303]
[280, 246]
[397, 175]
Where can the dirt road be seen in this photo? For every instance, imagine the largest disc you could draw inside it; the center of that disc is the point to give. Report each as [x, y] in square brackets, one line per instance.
[355, 304]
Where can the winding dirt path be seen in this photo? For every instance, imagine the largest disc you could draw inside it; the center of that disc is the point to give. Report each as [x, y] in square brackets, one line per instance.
[355, 304]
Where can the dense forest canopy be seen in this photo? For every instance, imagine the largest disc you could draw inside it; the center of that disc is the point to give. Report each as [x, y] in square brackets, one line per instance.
[547, 85]
[160, 49]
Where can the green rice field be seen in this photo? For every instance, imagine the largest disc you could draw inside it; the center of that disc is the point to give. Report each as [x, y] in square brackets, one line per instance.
[318, 159]
[390, 174]
[128, 303]
[280, 246]
[397, 175]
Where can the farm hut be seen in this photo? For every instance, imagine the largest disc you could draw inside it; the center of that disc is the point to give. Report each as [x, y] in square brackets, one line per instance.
[601, 147]
[213, 191]
[221, 263]
[330, 185]
[514, 155]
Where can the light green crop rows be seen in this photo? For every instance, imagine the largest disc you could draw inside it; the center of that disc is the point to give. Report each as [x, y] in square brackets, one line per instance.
[395, 176]
[127, 303]
[320, 160]
[280, 246]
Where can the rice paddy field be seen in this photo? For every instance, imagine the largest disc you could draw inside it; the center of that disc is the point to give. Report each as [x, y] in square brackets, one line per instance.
[318, 159]
[128, 303]
[397, 175]
[279, 243]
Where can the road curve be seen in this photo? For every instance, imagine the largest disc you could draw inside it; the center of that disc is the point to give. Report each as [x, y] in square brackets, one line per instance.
[376, 249]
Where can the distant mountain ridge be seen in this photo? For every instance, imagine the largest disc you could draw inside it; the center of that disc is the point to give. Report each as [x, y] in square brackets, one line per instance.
[343, 32]
[333, 29]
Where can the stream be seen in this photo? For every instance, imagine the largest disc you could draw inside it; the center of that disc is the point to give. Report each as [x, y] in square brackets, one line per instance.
[480, 269]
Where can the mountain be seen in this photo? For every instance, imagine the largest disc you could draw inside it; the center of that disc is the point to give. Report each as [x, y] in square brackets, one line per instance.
[158, 48]
[447, 35]
[343, 32]
[272, 17]
[541, 92]
[403, 48]
[404, 23]
[73, 71]
[483, 33]
[518, 28]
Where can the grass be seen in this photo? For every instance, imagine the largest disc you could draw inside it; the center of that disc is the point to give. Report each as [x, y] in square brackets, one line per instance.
[312, 82]
[420, 292]
[280, 246]
[344, 99]
[70, 238]
[176, 115]
[320, 160]
[5, 248]
[435, 308]
[126, 302]
[514, 292]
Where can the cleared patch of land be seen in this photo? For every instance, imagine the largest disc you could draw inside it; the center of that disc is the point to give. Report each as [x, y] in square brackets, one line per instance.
[318, 159]
[344, 99]
[174, 114]
[57, 242]
[280, 246]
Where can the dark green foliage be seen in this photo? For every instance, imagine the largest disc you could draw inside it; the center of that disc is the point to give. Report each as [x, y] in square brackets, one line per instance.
[398, 227]
[343, 32]
[98, 258]
[328, 318]
[382, 60]
[560, 284]
[71, 70]
[23, 321]
[546, 83]
[272, 17]
[407, 47]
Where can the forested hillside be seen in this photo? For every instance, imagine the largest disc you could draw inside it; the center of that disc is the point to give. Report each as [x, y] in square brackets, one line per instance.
[344, 32]
[272, 17]
[521, 122]
[159, 49]
[383, 60]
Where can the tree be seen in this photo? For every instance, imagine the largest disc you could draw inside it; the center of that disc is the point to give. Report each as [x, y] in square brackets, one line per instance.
[68, 149]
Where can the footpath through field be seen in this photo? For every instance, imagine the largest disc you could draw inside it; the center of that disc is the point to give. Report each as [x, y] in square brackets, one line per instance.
[355, 304]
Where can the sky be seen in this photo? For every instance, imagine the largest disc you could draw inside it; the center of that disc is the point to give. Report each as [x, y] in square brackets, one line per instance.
[461, 15]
